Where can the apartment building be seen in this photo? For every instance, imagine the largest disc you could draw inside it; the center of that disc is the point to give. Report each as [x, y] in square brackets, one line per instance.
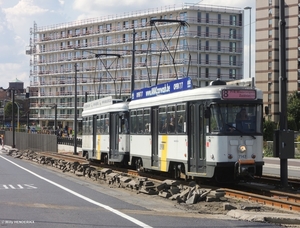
[159, 45]
[267, 51]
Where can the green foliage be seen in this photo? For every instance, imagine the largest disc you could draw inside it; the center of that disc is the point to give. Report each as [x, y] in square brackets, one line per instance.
[293, 108]
[291, 124]
[268, 149]
[268, 130]
[298, 144]
[8, 109]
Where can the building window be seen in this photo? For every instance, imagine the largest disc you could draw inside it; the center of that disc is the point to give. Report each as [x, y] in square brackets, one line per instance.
[207, 72]
[270, 44]
[125, 24]
[199, 17]
[270, 33]
[270, 23]
[269, 65]
[232, 33]
[219, 32]
[219, 45]
[270, 54]
[207, 59]
[198, 30]
[207, 45]
[219, 73]
[199, 44]
[207, 17]
[232, 73]
[232, 60]
[219, 19]
[269, 97]
[269, 76]
[207, 31]
[144, 22]
[108, 27]
[232, 47]
[219, 59]
[232, 19]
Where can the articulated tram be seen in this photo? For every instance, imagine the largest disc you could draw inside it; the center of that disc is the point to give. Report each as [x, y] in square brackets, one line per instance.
[212, 132]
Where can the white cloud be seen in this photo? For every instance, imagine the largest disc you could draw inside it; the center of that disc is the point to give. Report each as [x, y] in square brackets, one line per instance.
[24, 8]
[17, 17]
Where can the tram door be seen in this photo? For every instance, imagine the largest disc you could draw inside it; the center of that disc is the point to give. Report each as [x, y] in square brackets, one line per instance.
[154, 136]
[196, 140]
[94, 129]
[114, 136]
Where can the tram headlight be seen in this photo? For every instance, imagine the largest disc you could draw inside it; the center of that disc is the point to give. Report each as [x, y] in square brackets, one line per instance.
[242, 148]
[253, 156]
[230, 156]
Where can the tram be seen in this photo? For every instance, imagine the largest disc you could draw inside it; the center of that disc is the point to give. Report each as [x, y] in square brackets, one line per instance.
[211, 132]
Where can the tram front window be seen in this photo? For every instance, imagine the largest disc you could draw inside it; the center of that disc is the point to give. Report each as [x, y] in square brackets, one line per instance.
[229, 118]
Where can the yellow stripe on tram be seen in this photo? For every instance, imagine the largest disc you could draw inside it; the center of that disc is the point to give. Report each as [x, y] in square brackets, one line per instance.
[98, 155]
[164, 152]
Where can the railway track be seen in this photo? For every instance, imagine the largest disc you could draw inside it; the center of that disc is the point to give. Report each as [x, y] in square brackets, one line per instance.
[262, 191]
[282, 200]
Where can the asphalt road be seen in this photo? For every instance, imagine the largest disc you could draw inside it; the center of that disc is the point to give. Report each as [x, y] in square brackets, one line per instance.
[272, 167]
[39, 196]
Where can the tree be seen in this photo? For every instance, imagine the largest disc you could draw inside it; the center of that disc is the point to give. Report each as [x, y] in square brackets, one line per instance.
[8, 109]
[293, 108]
[268, 130]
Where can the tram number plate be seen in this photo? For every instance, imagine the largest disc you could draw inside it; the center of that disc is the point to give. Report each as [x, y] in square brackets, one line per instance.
[242, 156]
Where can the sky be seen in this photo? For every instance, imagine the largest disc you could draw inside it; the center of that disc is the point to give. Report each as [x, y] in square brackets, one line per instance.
[18, 16]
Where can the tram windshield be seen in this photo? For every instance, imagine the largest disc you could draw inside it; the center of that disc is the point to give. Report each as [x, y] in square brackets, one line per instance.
[232, 118]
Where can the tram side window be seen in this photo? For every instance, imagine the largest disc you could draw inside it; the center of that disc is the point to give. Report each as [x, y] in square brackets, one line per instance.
[181, 120]
[147, 125]
[102, 123]
[84, 126]
[106, 124]
[124, 123]
[140, 123]
[133, 124]
[90, 125]
[98, 124]
[171, 119]
[162, 120]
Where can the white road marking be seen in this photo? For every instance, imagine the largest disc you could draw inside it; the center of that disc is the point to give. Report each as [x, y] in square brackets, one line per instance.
[131, 219]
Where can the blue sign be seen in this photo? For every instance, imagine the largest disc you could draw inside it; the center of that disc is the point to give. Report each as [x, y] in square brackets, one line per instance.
[165, 88]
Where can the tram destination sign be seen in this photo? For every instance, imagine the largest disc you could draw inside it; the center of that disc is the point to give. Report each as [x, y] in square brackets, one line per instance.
[165, 88]
[238, 94]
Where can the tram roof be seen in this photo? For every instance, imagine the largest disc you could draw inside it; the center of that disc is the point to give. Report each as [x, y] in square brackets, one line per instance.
[203, 93]
[116, 107]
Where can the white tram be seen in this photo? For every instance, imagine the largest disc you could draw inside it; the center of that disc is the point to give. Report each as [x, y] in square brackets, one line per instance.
[105, 130]
[213, 131]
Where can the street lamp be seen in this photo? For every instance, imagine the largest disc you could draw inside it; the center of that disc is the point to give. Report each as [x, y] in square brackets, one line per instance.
[13, 118]
[249, 8]
[18, 126]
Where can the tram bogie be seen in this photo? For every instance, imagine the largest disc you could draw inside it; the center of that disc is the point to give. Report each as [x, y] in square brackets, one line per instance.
[209, 132]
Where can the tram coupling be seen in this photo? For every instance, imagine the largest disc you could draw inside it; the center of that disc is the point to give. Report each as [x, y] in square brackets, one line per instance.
[245, 168]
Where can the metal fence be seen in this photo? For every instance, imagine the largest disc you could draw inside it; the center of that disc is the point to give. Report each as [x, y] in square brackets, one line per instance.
[69, 141]
[37, 142]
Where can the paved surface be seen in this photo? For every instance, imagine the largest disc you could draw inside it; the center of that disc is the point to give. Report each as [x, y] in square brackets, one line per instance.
[277, 218]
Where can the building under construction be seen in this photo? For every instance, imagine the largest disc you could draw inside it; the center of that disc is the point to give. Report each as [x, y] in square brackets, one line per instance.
[102, 56]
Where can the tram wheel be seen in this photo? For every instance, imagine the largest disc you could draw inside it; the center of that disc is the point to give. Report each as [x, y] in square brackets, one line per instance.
[139, 165]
